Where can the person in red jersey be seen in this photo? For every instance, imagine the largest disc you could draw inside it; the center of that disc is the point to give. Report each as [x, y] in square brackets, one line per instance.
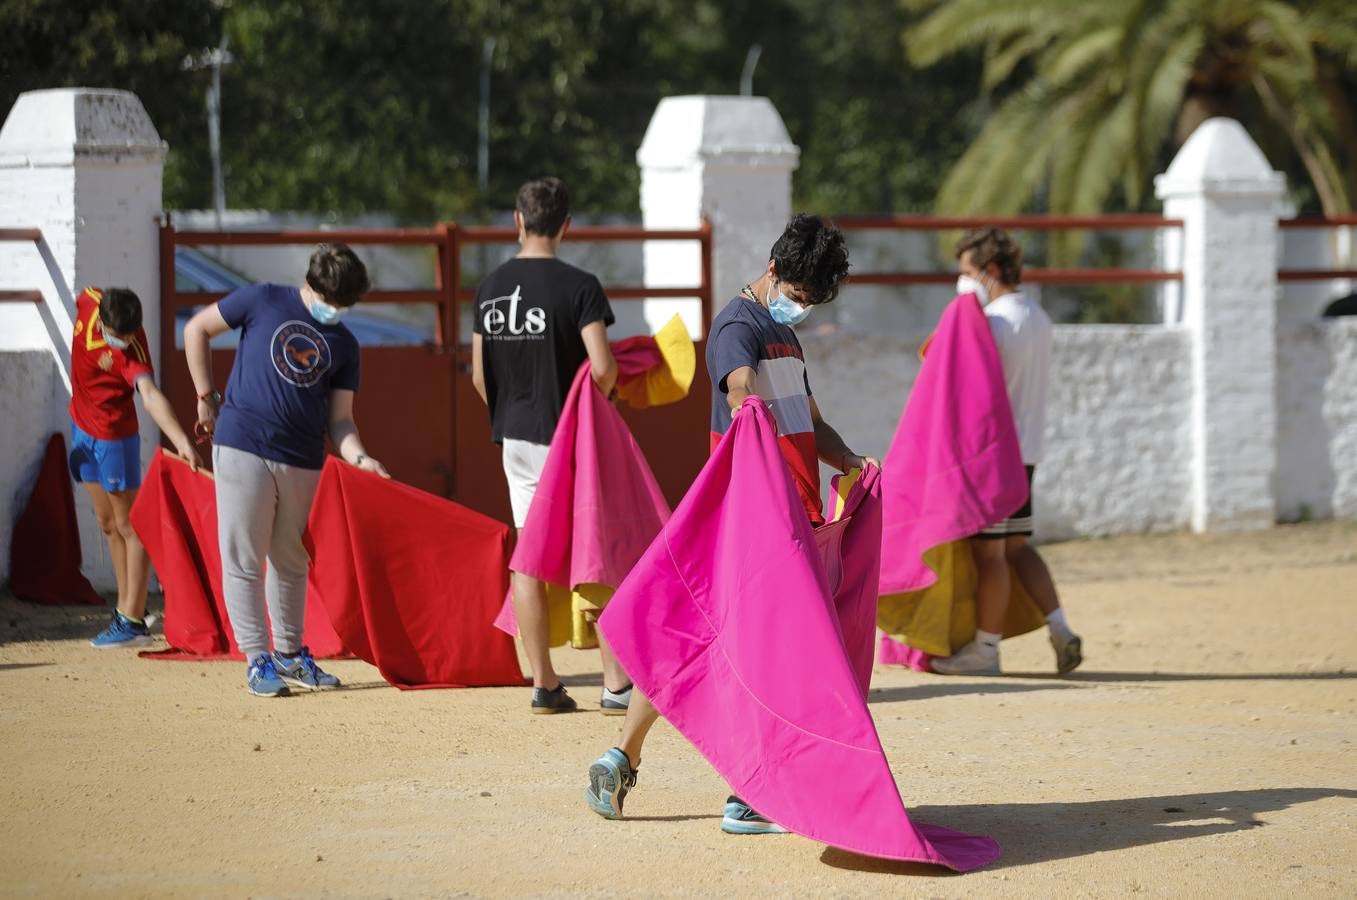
[110, 365]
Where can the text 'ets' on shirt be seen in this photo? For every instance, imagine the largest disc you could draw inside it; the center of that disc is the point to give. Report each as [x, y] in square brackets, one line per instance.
[103, 378]
[278, 397]
[1022, 332]
[744, 334]
[529, 313]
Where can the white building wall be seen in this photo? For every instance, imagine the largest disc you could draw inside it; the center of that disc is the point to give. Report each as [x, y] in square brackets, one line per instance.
[1317, 420]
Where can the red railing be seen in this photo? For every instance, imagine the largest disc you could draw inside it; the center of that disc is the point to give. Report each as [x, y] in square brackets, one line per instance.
[447, 240]
[1317, 222]
[1118, 222]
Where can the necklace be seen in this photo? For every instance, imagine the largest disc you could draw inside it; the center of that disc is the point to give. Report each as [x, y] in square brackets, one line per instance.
[749, 292]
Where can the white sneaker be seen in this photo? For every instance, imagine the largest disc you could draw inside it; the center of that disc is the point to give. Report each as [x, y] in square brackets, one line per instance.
[1069, 653]
[971, 659]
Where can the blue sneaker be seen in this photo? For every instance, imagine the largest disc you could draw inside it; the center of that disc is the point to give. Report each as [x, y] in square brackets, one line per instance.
[740, 818]
[263, 678]
[301, 671]
[610, 778]
[123, 632]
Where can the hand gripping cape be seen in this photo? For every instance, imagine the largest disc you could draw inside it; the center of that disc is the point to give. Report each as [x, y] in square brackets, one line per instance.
[175, 515]
[411, 581]
[954, 468]
[597, 505]
[729, 626]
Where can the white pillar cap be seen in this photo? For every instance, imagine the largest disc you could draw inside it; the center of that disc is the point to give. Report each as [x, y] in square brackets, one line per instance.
[1220, 159]
[58, 127]
[745, 131]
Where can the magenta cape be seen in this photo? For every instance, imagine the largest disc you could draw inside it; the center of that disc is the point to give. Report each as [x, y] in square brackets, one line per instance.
[955, 466]
[728, 625]
[597, 506]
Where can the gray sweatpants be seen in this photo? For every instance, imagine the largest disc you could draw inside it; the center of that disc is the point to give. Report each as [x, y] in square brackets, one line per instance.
[262, 508]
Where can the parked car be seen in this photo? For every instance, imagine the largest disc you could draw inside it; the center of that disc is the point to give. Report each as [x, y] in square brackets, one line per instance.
[197, 271]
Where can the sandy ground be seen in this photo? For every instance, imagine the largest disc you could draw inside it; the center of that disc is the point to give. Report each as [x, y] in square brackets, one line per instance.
[1207, 748]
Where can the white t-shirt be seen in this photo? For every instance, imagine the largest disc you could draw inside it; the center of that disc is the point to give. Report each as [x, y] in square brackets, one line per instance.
[1022, 331]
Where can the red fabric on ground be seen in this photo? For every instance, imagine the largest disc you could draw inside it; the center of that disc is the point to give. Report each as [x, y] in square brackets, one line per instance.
[176, 518]
[44, 552]
[411, 581]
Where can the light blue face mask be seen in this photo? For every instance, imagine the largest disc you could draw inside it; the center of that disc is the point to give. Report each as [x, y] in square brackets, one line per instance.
[326, 314]
[786, 311]
[115, 342]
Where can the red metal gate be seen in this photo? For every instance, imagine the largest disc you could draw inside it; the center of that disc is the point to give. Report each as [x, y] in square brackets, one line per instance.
[417, 409]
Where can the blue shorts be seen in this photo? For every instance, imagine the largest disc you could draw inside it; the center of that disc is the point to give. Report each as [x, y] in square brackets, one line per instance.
[115, 465]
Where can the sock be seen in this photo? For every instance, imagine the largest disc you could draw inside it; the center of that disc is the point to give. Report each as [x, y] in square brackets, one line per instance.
[987, 641]
[1059, 627]
[132, 620]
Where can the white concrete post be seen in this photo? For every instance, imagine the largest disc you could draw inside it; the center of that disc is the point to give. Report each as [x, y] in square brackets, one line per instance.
[84, 166]
[1229, 197]
[729, 159]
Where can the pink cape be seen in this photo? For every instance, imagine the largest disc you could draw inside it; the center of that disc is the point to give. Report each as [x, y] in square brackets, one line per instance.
[597, 506]
[728, 625]
[955, 465]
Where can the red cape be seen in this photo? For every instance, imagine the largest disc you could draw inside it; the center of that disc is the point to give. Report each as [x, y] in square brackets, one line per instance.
[176, 518]
[44, 552]
[411, 581]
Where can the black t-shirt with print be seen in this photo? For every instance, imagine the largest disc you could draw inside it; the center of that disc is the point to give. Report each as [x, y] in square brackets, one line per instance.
[529, 313]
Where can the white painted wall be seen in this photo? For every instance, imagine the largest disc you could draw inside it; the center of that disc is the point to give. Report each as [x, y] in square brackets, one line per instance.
[1317, 420]
[84, 166]
[1117, 441]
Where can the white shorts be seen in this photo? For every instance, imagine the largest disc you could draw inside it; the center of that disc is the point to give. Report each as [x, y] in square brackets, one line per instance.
[523, 463]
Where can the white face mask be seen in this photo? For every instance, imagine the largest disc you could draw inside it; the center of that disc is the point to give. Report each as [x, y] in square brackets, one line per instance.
[965, 284]
[116, 343]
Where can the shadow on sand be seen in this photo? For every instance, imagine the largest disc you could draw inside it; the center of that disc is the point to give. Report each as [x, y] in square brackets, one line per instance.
[1040, 832]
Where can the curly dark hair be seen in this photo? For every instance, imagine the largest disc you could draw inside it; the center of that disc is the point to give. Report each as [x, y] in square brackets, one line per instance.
[120, 311]
[337, 274]
[993, 245]
[811, 255]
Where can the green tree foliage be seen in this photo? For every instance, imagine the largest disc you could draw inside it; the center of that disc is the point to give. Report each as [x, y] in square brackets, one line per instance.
[138, 46]
[355, 106]
[1090, 98]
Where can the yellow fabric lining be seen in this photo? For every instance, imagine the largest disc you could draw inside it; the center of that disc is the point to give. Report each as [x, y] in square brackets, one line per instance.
[940, 619]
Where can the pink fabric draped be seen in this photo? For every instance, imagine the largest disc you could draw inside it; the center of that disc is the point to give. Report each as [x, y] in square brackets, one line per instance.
[729, 625]
[597, 506]
[955, 466]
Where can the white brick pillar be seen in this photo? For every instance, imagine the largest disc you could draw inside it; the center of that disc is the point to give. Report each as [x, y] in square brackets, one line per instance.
[82, 165]
[1228, 197]
[729, 159]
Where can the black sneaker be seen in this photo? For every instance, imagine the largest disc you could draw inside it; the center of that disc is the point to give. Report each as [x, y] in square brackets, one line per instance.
[546, 703]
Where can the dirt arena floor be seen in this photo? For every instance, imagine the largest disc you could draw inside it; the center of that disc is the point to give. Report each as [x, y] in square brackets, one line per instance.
[1207, 748]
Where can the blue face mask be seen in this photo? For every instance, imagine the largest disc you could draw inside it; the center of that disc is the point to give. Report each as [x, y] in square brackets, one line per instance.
[786, 311]
[116, 343]
[326, 314]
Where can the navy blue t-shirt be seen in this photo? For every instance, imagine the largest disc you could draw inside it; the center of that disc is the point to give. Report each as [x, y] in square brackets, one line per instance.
[278, 397]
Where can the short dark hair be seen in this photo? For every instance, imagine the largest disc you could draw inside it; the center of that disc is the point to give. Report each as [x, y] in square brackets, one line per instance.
[993, 245]
[337, 274]
[811, 254]
[544, 205]
[120, 311]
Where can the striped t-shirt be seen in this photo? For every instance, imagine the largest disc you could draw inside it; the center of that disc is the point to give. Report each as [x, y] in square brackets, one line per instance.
[744, 334]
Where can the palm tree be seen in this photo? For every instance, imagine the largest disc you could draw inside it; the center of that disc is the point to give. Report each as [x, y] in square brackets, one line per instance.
[1095, 88]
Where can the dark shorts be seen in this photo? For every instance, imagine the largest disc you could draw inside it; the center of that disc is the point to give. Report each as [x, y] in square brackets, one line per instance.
[1017, 525]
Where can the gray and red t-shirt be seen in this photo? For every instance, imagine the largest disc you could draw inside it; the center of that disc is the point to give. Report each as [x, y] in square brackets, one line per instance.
[744, 334]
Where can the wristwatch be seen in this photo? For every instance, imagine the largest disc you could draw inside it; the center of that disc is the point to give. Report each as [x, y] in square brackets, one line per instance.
[358, 460]
[214, 396]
